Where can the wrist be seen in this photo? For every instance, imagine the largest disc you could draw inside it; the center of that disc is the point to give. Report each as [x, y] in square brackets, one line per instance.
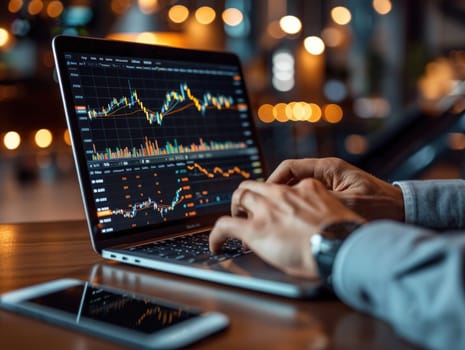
[326, 243]
[399, 202]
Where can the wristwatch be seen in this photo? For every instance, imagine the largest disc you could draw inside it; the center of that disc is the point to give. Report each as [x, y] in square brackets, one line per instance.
[326, 243]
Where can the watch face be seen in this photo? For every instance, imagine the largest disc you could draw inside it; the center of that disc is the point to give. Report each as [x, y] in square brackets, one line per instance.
[324, 247]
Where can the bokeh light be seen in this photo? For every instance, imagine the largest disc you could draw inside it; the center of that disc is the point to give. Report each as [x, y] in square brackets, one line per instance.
[43, 138]
[356, 144]
[302, 111]
[279, 112]
[20, 27]
[335, 90]
[35, 7]
[67, 137]
[290, 111]
[232, 16]
[15, 5]
[265, 113]
[11, 140]
[314, 45]
[316, 113]
[205, 15]
[283, 71]
[341, 15]
[290, 24]
[4, 37]
[332, 113]
[382, 7]
[294, 111]
[54, 9]
[178, 13]
[148, 6]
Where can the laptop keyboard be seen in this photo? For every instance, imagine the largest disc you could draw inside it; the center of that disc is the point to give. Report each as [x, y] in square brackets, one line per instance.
[192, 249]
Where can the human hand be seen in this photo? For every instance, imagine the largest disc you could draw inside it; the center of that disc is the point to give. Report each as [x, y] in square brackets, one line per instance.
[367, 195]
[277, 221]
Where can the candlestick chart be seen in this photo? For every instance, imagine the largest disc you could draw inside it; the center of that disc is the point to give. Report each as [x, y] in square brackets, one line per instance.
[174, 123]
[175, 101]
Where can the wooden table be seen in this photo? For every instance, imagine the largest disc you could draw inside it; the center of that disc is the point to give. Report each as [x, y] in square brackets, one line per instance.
[32, 253]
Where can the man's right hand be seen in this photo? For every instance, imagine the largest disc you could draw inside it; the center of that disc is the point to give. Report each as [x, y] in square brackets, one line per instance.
[367, 195]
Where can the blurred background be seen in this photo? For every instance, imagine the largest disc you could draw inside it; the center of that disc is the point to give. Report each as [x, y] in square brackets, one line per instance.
[379, 83]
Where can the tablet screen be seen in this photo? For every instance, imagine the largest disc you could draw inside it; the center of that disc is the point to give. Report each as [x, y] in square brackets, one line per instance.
[116, 308]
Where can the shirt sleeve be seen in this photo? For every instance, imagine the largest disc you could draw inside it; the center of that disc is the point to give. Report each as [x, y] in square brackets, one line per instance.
[409, 276]
[438, 204]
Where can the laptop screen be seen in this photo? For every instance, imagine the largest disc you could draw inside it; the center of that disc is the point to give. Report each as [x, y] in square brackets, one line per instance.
[164, 140]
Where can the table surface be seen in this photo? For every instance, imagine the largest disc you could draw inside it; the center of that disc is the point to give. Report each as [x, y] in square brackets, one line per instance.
[37, 252]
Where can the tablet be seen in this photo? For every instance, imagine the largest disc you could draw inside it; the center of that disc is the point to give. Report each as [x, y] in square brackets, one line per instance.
[122, 316]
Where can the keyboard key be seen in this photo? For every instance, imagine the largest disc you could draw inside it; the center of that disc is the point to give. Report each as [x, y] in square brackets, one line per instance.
[191, 249]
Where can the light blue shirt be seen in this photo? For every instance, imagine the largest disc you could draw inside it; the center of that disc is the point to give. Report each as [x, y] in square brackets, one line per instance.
[412, 274]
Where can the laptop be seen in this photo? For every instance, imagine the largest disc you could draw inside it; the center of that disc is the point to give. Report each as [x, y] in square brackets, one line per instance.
[161, 138]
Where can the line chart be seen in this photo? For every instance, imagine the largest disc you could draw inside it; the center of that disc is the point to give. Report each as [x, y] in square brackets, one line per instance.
[174, 102]
[134, 209]
[218, 170]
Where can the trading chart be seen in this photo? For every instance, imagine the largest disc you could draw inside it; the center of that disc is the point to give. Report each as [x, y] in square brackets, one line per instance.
[164, 140]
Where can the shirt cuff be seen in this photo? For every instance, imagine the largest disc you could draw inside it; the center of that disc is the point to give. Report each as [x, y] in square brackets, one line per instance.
[410, 214]
[438, 204]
